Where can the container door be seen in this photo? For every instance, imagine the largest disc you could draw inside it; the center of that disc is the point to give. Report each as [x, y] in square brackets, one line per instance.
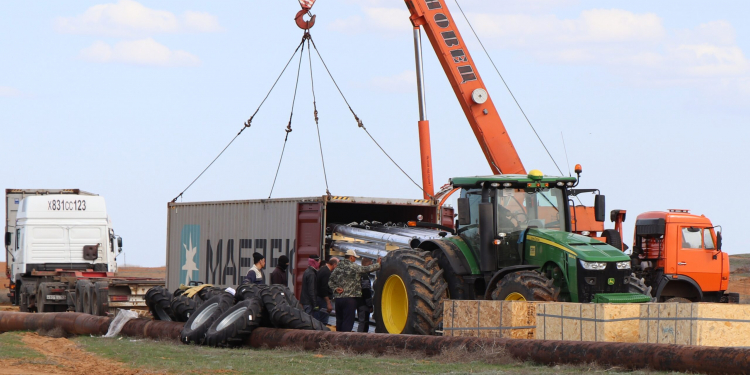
[695, 258]
[309, 239]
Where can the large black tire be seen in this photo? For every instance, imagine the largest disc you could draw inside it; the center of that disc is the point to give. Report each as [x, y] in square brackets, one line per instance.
[409, 293]
[182, 307]
[525, 286]
[287, 294]
[158, 300]
[458, 289]
[99, 298]
[207, 293]
[248, 291]
[612, 238]
[285, 316]
[194, 331]
[81, 301]
[636, 285]
[235, 324]
[87, 298]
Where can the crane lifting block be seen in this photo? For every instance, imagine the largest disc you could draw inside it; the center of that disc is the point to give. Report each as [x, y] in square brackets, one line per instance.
[703, 324]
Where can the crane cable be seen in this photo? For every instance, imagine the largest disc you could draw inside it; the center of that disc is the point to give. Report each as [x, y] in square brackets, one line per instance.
[247, 124]
[291, 114]
[315, 107]
[507, 87]
[361, 124]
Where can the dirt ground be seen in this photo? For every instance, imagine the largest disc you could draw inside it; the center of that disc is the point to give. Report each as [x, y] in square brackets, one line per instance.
[61, 356]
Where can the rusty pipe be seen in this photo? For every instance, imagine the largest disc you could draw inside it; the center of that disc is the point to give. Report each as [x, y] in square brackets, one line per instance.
[663, 357]
[85, 324]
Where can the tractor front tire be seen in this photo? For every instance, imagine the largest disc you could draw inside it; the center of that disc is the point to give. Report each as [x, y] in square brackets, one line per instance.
[409, 293]
[525, 286]
[636, 285]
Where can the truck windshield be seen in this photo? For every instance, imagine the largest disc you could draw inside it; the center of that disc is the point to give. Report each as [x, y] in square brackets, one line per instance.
[518, 209]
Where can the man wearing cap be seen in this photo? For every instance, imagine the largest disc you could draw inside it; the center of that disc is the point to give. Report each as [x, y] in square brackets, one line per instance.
[346, 286]
[308, 298]
[279, 275]
[255, 275]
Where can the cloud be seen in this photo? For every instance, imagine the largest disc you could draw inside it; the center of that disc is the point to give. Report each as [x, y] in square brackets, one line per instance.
[138, 52]
[404, 82]
[7, 91]
[375, 19]
[128, 18]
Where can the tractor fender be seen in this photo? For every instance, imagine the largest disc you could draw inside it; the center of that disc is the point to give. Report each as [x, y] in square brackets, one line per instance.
[500, 274]
[453, 254]
[666, 279]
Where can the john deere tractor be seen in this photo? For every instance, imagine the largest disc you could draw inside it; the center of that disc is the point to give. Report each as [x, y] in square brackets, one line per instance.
[513, 241]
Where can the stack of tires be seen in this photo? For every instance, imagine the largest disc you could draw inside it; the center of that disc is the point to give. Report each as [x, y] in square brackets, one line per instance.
[215, 317]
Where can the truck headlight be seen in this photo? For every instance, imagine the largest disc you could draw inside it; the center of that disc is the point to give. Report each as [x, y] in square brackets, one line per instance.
[594, 266]
[623, 265]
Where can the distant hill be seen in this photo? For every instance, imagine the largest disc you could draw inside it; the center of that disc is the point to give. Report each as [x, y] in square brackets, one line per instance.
[739, 265]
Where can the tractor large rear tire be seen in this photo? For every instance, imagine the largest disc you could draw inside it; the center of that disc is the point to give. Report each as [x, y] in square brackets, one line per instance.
[525, 286]
[409, 293]
[158, 300]
[457, 287]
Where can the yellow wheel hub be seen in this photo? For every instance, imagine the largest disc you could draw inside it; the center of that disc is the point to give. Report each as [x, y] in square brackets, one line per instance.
[394, 304]
[515, 296]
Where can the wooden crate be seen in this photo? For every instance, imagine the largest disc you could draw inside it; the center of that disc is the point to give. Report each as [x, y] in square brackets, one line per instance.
[504, 319]
[588, 322]
[705, 324]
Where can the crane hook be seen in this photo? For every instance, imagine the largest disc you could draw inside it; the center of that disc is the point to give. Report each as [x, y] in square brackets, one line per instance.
[299, 18]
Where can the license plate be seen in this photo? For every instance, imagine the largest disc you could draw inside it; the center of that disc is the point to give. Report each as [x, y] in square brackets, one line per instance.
[56, 297]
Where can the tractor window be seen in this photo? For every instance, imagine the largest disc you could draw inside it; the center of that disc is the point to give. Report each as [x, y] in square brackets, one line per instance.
[691, 238]
[708, 241]
[519, 209]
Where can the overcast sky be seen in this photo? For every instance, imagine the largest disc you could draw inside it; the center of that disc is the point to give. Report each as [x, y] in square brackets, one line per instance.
[131, 100]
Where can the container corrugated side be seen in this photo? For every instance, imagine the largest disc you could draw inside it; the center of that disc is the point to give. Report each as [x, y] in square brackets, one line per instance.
[213, 242]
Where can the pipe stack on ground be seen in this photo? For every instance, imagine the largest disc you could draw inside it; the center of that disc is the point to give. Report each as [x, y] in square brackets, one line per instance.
[662, 357]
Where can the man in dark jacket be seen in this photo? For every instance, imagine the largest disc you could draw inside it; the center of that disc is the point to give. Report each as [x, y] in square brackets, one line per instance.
[279, 274]
[324, 292]
[364, 303]
[308, 297]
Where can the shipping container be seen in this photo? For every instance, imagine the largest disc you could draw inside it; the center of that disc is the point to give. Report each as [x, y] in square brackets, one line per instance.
[213, 242]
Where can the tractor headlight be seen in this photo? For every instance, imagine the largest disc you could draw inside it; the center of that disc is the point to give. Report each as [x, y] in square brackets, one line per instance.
[623, 265]
[594, 266]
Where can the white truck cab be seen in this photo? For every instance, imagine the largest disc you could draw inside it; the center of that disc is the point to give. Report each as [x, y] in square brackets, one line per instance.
[71, 232]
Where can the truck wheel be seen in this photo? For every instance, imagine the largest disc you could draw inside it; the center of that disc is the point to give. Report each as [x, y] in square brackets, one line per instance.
[235, 324]
[158, 300]
[636, 285]
[196, 327]
[285, 316]
[182, 307]
[41, 297]
[409, 293]
[99, 300]
[612, 238]
[81, 301]
[87, 300]
[525, 286]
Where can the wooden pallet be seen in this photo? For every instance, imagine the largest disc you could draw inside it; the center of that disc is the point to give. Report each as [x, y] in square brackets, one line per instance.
[705, 324]
[588, 322]
[503, 319]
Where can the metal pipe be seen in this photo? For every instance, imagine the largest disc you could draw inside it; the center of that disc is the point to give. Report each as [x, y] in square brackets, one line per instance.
[420, 74]
[86, 324]
[365, 250]
[422, 235]
[661, 357]
[423, 126]
[371, 235]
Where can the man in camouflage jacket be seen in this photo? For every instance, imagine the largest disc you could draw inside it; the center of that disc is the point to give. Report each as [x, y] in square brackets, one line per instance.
[346, 286]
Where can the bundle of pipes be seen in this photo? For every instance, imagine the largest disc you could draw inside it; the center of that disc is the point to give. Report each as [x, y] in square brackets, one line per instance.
[365, 250]
[421, 233]
[373, 236]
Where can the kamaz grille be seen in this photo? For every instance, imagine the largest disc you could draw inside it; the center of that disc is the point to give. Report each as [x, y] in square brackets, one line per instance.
[593, 282]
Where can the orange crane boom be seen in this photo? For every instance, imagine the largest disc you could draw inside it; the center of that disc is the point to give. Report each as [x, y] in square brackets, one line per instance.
[493, 138]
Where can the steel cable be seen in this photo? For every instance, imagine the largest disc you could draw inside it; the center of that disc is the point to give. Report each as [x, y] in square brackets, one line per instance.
[291, 115]
[359, 122]
[247, 124]
[507, 87]
[315, 107]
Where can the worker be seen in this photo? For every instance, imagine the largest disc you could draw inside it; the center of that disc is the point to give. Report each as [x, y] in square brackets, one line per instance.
[279, 274]
[255, 275]
[346, 283]
[324, 292]
[364, 303]
[308, 297]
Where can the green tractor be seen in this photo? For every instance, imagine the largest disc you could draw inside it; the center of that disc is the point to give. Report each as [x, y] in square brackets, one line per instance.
[514, 241]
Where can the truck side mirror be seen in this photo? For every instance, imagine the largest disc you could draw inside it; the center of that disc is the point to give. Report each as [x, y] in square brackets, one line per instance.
[119, 243]
[8, 236]
[718, 241]
[464, 214]
[599, 208]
